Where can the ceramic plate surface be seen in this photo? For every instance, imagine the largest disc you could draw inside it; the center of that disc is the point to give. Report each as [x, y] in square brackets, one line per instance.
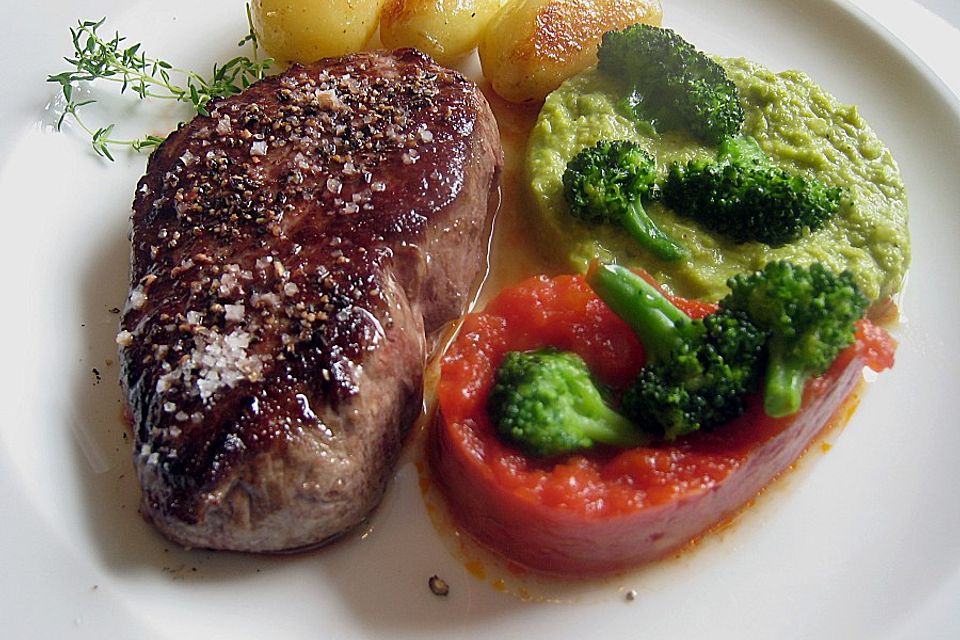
[861, 542]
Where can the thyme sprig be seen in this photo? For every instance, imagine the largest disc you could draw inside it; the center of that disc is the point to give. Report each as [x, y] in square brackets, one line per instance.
[110, 59]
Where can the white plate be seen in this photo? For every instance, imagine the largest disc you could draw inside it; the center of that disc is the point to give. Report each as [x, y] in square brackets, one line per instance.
[865, 542]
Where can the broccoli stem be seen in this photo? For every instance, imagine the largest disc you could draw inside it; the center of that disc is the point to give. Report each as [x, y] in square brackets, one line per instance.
[650, 236]
[655, 320]
[606, 425]
[596, 420]
[784, 385]
[742, 149]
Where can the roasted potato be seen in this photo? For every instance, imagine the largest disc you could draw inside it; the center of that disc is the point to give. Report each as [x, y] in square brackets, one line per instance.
[445, 29]
[531, 46]
[307, 30]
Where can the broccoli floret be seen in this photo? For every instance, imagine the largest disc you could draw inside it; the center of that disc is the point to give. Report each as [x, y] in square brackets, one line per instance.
[810, 315]
[680, 87]
[745, 196]
[546, 403]
[606, 183]
[698, 372]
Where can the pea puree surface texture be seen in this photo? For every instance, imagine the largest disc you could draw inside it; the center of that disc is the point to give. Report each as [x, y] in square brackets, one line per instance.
[796, 122]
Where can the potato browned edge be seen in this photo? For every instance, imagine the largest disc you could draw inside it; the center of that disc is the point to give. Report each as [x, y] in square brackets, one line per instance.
[531, 46]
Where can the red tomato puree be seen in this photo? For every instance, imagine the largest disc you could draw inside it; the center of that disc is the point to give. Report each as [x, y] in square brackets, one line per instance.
[606, 510]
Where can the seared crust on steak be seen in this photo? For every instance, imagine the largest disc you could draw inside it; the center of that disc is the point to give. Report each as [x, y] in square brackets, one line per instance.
[290, 250]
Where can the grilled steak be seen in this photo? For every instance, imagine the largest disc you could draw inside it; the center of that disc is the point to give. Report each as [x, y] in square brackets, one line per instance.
[291, 253]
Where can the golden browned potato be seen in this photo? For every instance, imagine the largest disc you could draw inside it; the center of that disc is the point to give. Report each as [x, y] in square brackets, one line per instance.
[445, 29]
[531, 46]
[306, 30]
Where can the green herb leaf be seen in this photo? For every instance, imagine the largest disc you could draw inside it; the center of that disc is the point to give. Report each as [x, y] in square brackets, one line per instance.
[107, 59]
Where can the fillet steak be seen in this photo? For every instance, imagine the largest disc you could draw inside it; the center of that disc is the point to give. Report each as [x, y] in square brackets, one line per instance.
[291, 253]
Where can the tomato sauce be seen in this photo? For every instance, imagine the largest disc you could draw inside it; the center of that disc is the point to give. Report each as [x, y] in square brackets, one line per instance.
[607, 509]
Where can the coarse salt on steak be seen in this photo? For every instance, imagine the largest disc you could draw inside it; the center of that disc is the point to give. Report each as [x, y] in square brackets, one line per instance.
[291, 252]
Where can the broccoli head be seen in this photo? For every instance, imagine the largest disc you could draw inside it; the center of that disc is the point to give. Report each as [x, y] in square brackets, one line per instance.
[676, 86]
[698, 372]
[810, 315]
[606, 184]
[546, 403]
[743, 195]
